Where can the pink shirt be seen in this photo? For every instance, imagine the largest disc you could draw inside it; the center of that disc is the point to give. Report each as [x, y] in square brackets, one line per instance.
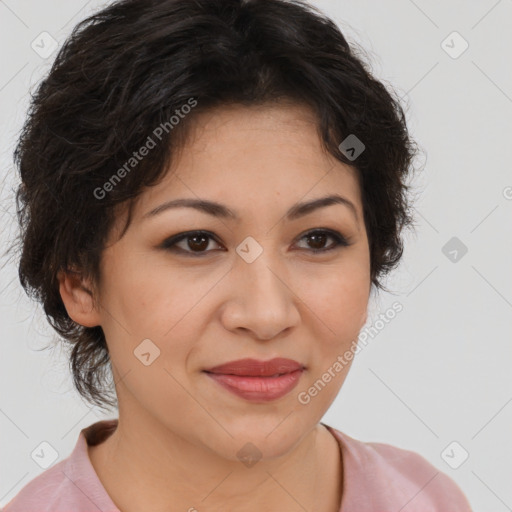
[377, 478]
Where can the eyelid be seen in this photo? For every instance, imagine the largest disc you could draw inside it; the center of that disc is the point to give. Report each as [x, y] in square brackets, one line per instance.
[340, 239]
[170, 243]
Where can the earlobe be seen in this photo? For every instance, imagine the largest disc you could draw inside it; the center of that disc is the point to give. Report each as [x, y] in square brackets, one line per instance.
[77, 298]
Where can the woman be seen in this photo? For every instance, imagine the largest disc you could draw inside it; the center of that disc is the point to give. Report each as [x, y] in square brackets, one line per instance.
[210, 189]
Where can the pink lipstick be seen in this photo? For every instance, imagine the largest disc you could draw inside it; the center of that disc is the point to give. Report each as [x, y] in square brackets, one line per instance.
[258, 381]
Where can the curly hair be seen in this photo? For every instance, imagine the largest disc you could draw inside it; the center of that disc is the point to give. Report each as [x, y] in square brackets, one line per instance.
[126, 70]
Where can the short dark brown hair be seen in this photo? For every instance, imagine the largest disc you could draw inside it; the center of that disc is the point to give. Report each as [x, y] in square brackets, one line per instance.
[126, 70]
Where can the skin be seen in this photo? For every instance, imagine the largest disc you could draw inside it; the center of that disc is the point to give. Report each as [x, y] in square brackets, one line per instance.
[179, 432]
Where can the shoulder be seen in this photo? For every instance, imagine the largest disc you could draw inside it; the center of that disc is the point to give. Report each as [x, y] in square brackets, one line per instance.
[70, 484]
[41, 492]
[396, 478]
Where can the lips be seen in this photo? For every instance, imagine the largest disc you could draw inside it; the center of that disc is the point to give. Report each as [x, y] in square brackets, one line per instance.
[256, 368]
[258, 381]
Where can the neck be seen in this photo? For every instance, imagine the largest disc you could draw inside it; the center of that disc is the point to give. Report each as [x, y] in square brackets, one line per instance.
[144, 465]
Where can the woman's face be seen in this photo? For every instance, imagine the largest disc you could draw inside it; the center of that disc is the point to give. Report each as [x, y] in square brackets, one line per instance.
[252, 288]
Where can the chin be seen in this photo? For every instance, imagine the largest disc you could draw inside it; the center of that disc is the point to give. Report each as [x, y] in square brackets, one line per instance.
[274, 434]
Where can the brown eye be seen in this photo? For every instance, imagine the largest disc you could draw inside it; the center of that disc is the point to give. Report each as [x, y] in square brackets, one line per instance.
[317, 239]
[198, 242]
[195, 243]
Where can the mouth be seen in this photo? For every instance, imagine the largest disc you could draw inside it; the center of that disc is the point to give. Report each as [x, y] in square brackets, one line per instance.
[258, 381]
[256, 368]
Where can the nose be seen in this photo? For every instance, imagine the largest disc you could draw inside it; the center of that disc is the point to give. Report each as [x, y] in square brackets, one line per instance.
[260, 299]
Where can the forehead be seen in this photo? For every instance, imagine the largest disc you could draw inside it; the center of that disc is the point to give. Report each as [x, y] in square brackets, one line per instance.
[257, 131]
[253, 159]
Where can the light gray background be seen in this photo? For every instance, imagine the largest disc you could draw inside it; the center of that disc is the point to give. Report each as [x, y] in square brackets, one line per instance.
[440, 370]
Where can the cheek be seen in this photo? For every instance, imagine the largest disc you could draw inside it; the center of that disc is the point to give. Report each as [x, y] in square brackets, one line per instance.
[154, 300]
[340, 299]
[141, 304]
[337, 312]
[166, 307]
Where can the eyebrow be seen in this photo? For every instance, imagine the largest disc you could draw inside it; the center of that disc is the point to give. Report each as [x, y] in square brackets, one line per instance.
[219, 210]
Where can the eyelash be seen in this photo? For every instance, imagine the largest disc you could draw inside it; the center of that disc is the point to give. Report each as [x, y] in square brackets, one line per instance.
[170, 243]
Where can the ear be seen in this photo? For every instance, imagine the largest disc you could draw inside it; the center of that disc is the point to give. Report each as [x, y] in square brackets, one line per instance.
[76, 293]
